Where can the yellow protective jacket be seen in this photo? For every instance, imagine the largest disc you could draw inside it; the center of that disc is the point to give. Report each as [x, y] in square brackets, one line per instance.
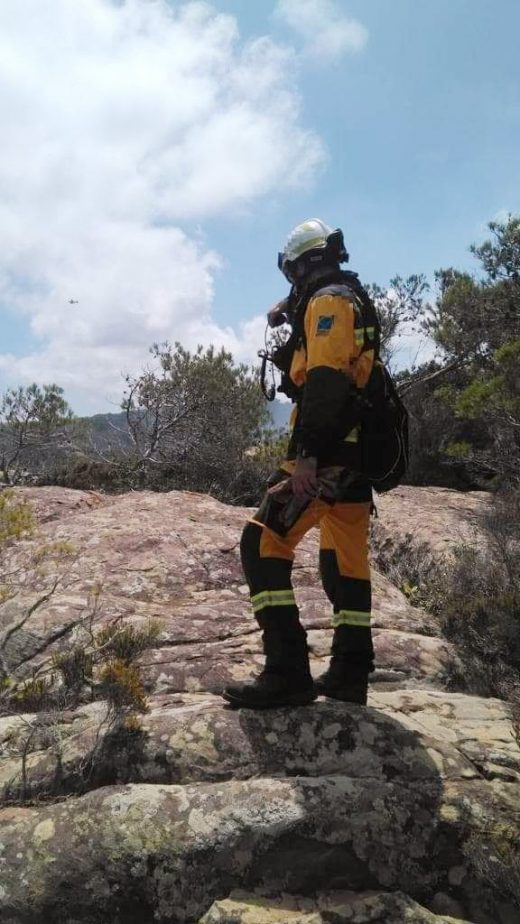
[333, 357]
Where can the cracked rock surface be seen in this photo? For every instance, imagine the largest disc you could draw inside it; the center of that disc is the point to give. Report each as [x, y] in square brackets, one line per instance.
[327, 813]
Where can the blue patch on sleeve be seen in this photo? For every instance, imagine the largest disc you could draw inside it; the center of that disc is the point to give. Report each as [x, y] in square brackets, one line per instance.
[325, 324]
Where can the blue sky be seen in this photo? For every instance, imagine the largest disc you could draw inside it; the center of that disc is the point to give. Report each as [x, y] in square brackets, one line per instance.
[156, 158]
[422, 130]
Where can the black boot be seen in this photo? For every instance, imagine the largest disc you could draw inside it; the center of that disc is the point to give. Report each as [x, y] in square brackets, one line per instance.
[285, 680]
[347, 675]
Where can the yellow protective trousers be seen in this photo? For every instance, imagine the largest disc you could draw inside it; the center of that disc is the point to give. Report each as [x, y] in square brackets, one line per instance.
[267, 559]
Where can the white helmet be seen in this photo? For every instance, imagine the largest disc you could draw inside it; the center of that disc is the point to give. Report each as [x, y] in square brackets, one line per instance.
[316, 241]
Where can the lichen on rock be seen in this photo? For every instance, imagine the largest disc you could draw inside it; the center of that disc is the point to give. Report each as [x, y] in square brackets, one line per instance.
[326, 813]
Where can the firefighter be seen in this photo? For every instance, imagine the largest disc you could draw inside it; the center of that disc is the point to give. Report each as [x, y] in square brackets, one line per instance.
[325, 364]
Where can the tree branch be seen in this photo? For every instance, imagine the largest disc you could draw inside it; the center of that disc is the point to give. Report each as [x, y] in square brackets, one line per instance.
[404, 387]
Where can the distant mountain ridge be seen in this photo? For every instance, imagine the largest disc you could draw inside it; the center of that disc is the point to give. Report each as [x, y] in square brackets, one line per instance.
[280, 412]
[104, 424]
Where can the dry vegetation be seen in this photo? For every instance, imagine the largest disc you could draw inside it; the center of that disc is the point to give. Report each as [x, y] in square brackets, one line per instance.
[94, 663]
[475, 596]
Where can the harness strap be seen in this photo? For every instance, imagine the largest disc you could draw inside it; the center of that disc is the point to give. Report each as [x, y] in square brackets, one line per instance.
[268, 391]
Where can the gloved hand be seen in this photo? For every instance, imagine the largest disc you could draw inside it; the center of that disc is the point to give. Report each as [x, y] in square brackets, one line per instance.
[278, 313]
[304, 482]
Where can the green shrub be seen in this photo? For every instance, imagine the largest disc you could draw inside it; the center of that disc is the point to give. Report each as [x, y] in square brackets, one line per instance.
[125, 642]
[122, 687]
[86, 475]
[34, 695]
[479, 606]
[16, 516]
[75, 668]
[411, 566]
[475, 595]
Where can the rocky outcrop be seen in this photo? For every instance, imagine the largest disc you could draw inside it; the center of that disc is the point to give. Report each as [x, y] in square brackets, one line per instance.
[326, 813]
[438, 517]
[331, 908]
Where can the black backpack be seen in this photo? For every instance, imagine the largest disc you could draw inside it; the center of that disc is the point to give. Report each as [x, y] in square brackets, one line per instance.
[384, 439]
[377, 407]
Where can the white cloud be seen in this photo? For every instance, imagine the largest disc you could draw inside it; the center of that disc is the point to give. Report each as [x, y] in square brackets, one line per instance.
[326, 31]
[121, 122]
[411, 347]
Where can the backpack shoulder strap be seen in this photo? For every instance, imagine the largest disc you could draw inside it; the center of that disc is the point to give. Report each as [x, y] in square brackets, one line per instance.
[371, 322]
